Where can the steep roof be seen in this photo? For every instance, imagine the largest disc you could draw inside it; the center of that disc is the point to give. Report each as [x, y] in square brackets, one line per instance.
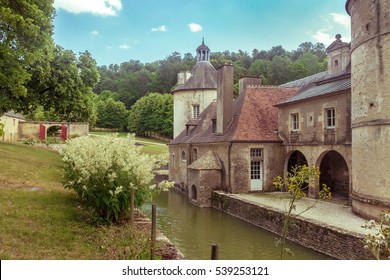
[12, 114]
[209, 161]
[319, 89]
[254, 118]
[203, 76]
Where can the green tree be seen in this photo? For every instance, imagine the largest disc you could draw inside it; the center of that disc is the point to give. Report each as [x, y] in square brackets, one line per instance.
[26, 29]
[1, 129]
[297, 70]
[279, 70]
[111, 114]
[152, 113]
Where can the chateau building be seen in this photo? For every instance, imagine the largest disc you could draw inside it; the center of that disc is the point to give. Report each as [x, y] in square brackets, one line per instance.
[338, 120]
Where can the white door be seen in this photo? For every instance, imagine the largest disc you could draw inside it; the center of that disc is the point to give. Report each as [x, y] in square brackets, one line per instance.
[256, 175]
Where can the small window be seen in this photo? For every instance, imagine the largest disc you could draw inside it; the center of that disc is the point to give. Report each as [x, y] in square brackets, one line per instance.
[295, 121]
[330, 118]
[183, 155]
[195, 111]
[336, 63]
[173, 160]
[194, 154]
[256, 153]
[214, 125]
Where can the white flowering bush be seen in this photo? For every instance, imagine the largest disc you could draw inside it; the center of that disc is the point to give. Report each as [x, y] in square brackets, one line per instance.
[379, 242]
[104, 170]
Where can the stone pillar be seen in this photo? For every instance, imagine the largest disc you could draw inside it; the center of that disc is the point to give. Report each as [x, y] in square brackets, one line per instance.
[370, 56]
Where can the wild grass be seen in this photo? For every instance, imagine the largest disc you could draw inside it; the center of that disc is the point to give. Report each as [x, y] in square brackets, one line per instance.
[39, 219]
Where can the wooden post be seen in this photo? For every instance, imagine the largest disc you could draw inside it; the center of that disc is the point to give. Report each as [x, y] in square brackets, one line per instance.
[215, 251]
[132, 194]
[153, 237]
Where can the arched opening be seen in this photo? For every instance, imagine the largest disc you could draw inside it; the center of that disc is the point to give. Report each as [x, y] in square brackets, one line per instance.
[334, 173]
[183, 156]
[296, 158]
[53, 133]
[194, 193]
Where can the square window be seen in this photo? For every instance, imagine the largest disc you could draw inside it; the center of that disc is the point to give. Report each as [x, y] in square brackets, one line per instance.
[330, 118]
[295, 121]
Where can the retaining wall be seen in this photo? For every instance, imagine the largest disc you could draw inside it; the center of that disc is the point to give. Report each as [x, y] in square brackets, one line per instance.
[336, 243]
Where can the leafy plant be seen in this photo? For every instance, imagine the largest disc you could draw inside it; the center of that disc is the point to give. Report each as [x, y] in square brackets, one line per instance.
[104, 170]
[379, 242]
[296, 183]
[1, 129]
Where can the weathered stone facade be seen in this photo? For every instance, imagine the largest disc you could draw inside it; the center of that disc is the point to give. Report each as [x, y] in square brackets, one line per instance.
[370, 55]
[319, 144]
[11, 121]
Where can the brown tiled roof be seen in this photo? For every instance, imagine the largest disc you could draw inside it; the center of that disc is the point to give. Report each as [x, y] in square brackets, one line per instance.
[254, 118]
[259, 118]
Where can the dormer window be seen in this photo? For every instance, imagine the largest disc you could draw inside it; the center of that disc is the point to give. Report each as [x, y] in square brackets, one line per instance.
[336, 63]
[195, 111]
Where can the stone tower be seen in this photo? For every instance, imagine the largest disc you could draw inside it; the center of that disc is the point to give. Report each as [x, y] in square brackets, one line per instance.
[194, 91]
[370, 58]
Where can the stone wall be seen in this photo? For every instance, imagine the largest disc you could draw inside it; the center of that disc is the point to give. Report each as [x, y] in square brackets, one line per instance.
[370, 55]
[312, 121]
[336, 243]
[10, 128]
[183, 102]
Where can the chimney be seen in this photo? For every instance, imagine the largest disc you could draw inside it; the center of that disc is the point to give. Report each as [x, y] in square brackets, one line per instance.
[224, 97]
[182, 77]
[246, 81]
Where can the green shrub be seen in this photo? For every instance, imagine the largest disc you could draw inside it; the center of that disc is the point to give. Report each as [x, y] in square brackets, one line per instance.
[104, 170]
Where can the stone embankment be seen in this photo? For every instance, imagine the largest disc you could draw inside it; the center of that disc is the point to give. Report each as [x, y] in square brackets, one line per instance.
[327, 228]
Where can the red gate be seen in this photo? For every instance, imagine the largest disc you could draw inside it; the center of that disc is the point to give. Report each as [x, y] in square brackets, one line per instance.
[64, 132]
[42, 132]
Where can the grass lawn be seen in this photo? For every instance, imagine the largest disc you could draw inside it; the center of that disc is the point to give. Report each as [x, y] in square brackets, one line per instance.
[39, 219]
[149, 145]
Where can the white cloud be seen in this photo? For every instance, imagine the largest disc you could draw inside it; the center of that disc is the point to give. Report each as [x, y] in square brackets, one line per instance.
[323, 37]
[341, 19]
[331, 27]
[94, 33]
[124, 46]
[96, 7]
[161, 28]
[194, 27]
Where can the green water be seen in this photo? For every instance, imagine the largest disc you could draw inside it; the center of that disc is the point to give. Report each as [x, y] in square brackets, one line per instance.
[193, 230]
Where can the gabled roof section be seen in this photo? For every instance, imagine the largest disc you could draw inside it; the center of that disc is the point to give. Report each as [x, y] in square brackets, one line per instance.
[209, 161]
[337, 44]
[254, 118]
[12, 114]
[204, 76]
[320, 89]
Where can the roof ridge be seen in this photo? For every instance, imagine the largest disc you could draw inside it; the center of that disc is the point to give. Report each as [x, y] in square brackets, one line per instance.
[262, 86]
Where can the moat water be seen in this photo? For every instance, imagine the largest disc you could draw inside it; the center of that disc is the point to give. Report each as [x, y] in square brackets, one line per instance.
[193, 230]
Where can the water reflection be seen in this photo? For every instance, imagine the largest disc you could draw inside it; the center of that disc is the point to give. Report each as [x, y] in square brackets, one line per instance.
[194, 229]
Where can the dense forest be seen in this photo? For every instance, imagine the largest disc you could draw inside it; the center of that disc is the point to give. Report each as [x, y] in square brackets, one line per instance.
[133, 79]
[44, 81]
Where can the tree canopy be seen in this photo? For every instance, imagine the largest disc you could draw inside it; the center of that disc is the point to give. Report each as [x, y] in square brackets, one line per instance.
[26, 45]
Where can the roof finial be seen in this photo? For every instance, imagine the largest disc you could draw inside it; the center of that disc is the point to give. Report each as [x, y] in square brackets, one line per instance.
[202, 40]
[338, 37]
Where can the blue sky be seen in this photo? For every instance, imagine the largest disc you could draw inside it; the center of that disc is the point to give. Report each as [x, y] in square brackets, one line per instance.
[115, 31]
